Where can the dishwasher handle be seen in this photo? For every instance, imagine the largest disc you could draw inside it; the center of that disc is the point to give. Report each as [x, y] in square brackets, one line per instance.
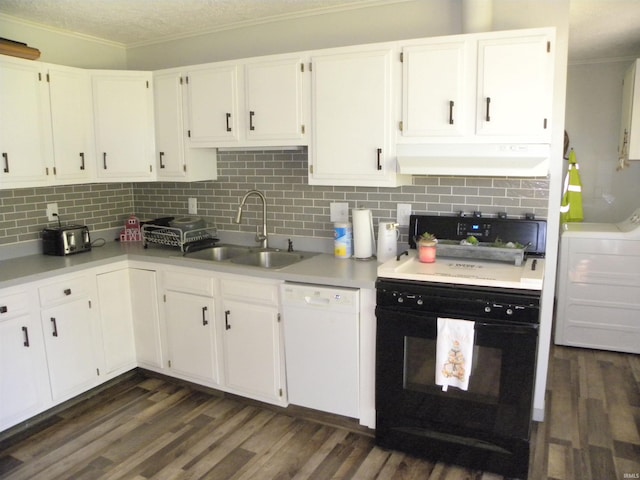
[309, 300]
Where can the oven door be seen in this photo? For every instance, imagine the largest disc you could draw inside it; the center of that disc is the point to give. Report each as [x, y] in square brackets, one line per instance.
[488, 423]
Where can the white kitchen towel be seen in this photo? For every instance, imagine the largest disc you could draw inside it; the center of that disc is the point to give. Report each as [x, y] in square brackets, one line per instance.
[454, 352]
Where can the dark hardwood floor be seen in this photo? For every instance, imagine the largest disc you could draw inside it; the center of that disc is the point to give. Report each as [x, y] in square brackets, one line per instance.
[153, 428]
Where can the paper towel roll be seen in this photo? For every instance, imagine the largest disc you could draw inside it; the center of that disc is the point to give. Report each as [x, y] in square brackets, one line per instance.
[363, 238]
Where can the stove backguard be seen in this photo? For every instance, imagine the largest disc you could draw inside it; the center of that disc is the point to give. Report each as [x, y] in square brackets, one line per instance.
[486, 229]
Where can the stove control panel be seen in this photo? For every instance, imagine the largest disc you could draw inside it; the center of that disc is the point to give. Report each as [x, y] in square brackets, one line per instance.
[475, 227]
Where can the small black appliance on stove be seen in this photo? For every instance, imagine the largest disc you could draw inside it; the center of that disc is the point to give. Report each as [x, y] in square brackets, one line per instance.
[487, 426]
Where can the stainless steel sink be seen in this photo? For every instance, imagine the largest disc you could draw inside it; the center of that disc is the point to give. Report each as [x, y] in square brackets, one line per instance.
[270, 259]
[219, 253]
[249, 256]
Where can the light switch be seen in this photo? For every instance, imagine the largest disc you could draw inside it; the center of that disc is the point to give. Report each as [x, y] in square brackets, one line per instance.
[339, 212]
[403, 213]
[193, 206]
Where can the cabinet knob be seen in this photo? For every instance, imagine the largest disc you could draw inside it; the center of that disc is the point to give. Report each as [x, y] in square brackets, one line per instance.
[228, 118]
[81, 160]
[227, 326]
[487, 116]
[379, 155]
[3, 309]
[161, 159]
[54, 326]
[251, 126]
[5, 155]
[451, 104]
[204, 316]
[67, 291]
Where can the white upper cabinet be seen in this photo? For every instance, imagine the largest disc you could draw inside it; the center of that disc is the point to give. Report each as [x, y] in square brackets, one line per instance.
[274, 100]
[629, 145]
[123, 115]
[213, 105]
[478, 88]
[25, 128]
[515, 86]
[352, 117]
[438, 99]
[248, 103]
[176, 160]
[72, 124]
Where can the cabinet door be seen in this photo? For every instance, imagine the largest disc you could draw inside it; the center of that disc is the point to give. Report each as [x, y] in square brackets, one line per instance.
[69, 344]
[114, 294]
[175, 160]
[169, 127]
[25, 128]
[72, 124]
[437, 94]
[123, 113]
[351, 119]
[190, 336]
[213, 105]
[515, 87]
[21, 364]
[273, 97]
[146, 325]
[252, 349]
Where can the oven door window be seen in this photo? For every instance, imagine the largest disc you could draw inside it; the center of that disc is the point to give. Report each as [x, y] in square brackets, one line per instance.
[420, 367]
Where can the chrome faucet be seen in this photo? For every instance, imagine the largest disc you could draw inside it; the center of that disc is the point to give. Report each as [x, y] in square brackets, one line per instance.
[260, 237]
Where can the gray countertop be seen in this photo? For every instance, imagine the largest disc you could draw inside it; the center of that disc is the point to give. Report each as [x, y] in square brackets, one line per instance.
[323, 269]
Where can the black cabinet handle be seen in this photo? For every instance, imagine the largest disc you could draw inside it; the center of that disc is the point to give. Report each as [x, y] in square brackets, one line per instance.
[55, 326]
[26, 336]
[81, 160]
[487, 116]
[104, 160]
[251, 114]
[451, 112]
[226, 319]
[3, 309]
[204, 316]
[161, 159]
[67, 291]
[228, 118]
[379, 158]
[5, 155]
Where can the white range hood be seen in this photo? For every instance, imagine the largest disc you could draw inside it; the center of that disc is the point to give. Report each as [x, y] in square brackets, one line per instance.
[487, 159]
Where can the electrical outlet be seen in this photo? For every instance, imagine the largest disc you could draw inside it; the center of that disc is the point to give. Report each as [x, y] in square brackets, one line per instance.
[403, 213]
[52, 211]
[193, 206]
[339, 212]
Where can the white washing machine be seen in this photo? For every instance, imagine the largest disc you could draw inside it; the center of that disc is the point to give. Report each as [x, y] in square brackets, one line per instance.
[598, 296]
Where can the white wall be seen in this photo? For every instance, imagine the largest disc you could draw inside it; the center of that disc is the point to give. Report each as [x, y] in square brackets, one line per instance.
[594, 101]
[395, 21]
[65, 48]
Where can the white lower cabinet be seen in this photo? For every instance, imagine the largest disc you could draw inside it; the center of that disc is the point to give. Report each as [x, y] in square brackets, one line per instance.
[145, 313]
[71, 353]
[189, 315]
[24, 385]
[116, 321]
[252, 339]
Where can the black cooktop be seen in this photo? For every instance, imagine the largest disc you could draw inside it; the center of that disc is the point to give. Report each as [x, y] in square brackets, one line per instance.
[527, 231]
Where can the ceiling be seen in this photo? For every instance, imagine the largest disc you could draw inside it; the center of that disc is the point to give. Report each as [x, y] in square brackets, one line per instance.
[598, 28]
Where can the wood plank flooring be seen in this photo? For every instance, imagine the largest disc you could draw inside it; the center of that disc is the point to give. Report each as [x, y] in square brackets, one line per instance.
[152, 428]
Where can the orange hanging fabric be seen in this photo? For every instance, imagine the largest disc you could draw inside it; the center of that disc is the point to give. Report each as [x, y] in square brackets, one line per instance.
[571, 207]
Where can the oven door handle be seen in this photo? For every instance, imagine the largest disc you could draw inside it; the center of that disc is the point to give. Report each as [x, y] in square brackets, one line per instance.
[509, 326]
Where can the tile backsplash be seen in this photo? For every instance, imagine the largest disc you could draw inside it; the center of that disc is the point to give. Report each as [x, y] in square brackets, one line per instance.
[294, 207]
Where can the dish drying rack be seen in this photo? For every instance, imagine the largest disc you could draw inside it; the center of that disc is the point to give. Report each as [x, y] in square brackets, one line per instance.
[175, 237]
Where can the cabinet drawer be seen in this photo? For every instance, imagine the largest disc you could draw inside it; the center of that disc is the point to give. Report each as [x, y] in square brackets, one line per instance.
[252, 292]
[12, 305]
[63, 291]
[188, 283]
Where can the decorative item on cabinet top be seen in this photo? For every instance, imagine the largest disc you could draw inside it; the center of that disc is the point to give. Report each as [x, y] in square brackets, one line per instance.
[18, 49]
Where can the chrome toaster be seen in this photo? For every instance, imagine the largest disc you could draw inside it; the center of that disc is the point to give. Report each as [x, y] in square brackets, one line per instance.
[66, 240]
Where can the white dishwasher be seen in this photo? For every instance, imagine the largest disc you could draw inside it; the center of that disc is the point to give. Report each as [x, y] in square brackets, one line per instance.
[321, 326]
